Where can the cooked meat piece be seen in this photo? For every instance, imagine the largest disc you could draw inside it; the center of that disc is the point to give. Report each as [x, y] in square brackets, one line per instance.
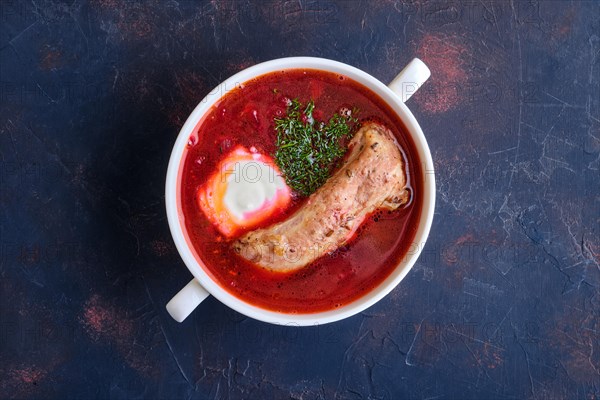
[371, 177]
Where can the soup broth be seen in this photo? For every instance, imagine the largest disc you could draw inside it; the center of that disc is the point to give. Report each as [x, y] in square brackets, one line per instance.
[245, 116]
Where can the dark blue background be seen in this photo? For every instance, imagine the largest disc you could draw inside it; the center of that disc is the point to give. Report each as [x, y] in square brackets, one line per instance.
[503, 304]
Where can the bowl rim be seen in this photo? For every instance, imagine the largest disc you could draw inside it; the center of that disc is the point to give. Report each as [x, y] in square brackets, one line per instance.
[193, 261]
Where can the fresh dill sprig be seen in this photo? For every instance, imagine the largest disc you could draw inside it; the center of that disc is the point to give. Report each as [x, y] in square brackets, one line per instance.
[307, 149]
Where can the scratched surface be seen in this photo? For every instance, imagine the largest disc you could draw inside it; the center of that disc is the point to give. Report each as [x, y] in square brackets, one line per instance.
[503, 304]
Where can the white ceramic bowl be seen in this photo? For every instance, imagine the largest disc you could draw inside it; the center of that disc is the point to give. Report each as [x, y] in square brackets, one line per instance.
[401, 88]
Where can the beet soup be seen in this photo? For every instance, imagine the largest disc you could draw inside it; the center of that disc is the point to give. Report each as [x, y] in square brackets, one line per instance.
[245, 117]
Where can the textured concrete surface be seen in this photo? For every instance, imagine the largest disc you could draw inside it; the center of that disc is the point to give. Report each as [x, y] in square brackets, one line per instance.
[503, 304]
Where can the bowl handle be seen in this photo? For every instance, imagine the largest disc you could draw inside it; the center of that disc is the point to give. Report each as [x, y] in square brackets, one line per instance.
[410, 79]
[184, 302]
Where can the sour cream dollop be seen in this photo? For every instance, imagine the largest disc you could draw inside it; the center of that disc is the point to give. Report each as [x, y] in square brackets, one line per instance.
[245, 190]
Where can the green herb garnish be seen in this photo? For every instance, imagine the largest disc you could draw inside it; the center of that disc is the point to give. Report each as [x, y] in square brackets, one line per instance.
[307, 149]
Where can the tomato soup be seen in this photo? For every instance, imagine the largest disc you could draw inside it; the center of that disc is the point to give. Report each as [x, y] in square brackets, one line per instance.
[245, 117]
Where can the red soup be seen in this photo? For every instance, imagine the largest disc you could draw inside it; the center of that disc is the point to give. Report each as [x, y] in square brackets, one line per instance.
[245, 116]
